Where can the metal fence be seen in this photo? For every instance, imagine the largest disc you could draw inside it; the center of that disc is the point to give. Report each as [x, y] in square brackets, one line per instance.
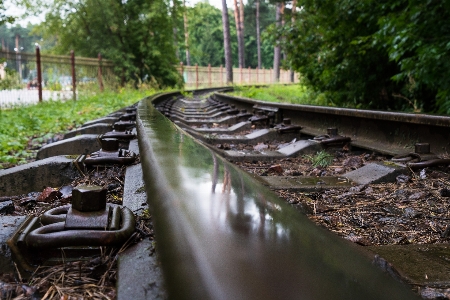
[27, 78]
[201, 77]
[61, 77]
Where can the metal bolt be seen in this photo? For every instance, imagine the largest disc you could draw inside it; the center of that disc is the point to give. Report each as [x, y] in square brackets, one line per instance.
[125, 117]
[110, 144]
[422, 148]
[287, 121]
[332, 131]
[120, 127]
[87, 198]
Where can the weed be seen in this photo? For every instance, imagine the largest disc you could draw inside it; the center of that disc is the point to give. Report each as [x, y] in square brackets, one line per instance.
[146, 214]
[322, 159]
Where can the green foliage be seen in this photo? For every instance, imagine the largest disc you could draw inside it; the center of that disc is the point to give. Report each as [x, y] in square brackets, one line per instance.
[136, 35]
[11, 81]
[321, 46]
[295, 94]
[266, 18]
[390, 55]
[322, 159]
[21, 126]
[416, 35]
[205, 35]
[27, 38]
[4, 18]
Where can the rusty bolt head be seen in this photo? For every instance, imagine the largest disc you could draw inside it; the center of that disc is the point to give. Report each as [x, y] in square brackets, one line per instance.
[110, 144]
[287, 121]
[120, 127]
[332, 131]
[125, 117]
[86, 198]
[422, 148]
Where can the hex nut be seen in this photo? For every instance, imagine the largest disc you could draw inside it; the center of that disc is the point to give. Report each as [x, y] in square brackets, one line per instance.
[86, 198]
[332, 131]
[120, 127]
[422, 148]
[110, 144]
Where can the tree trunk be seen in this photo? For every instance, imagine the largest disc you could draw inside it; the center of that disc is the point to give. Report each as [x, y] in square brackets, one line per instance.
[237, 20]
[276, 50]
[227, 44]
[258, 34]
[241, 25]
[175, 29]
[282, 24]
[186, 35]
[294, 11]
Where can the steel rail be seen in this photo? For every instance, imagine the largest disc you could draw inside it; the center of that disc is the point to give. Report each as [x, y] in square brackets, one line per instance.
[222, 235]
[390, 133]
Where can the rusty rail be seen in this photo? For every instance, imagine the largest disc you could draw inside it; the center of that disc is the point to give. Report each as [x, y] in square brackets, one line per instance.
[390, 133]
[221, 235]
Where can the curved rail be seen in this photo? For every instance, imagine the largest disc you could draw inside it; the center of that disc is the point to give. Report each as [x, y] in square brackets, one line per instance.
[390, 133]
[222, 235]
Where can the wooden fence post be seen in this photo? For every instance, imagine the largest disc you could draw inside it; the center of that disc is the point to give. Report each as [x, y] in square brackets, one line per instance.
[182, 70]
[74, 87]
[257, 75]
[100, 73]
[240, 73]
[196, 76]
[221, 75]
[39, 72]
[209, 74]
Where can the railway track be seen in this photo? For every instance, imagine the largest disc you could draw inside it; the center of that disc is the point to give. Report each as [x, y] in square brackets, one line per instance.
[378, 180]
[374, 157]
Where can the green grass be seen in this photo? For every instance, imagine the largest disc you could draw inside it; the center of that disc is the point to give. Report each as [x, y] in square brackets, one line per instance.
[23, 126]
[294, 94]
[322, 158]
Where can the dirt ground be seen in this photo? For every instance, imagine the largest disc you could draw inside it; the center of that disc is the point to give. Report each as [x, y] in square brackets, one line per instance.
[412, 210]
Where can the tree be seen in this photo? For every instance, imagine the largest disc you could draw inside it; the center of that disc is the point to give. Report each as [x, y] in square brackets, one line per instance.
[4, 18]
[416, 36]
[135, 34]
[239, 20]
[26, 41]
[276, 48]
[375, 54]
[265, 19]
[186, 35]
[331, 45]
[226, 42]
[258, 34]
[294, 10]
[206, 35]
